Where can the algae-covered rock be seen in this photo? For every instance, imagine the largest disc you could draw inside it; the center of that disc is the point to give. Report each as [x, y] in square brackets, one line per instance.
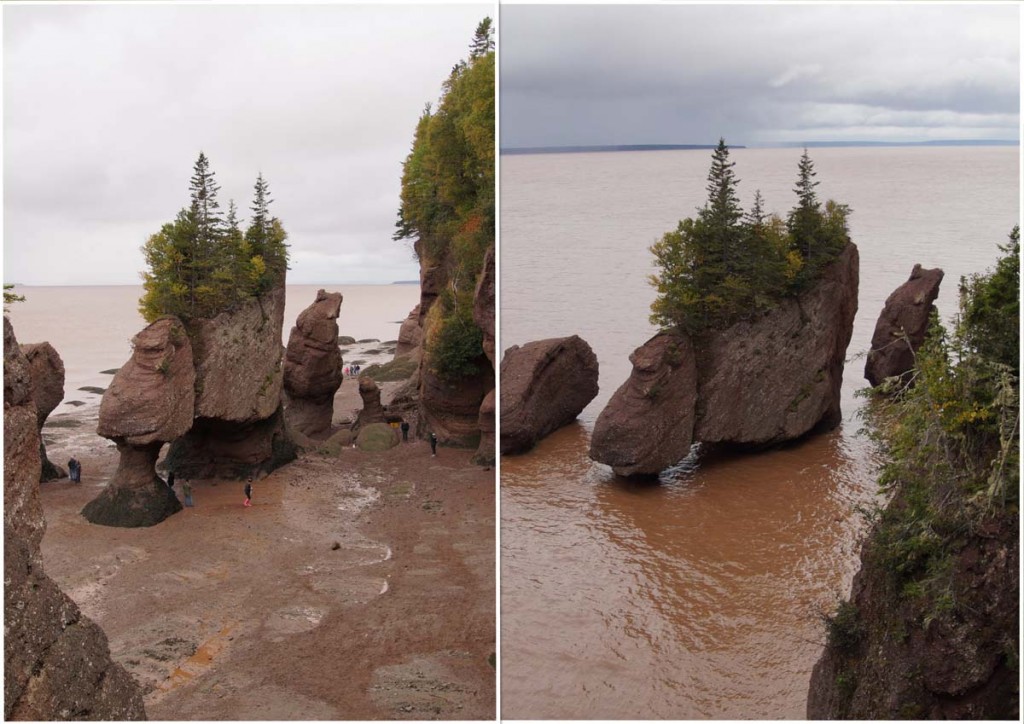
[377, 436]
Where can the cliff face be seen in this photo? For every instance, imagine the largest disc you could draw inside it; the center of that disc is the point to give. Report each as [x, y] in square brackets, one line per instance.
[57, 663]
[756, 383]
[898, 653]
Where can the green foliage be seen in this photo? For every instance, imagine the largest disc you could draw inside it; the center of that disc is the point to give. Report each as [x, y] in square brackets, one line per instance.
[447, 197]
[10, 297]
[724, 266]
[844, 628]
[952, 438]
[200, 264]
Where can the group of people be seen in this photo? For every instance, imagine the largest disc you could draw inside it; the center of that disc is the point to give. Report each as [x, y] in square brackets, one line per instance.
[352, 370]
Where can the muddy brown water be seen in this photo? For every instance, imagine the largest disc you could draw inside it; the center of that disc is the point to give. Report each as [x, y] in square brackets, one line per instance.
[701, 595]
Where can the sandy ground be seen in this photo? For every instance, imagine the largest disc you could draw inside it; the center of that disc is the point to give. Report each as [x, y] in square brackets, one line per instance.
[356, 587]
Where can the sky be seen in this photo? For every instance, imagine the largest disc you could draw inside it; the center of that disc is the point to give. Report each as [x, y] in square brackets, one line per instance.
[761, 74]
[106, 108]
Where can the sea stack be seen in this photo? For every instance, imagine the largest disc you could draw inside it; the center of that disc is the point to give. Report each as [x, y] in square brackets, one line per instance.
[149, 402]
[48, 391]
[902, 326]
[313, 367]
[756, 383]
[544, 386]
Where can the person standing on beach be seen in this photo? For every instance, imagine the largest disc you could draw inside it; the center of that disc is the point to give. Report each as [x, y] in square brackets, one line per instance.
[187, 490]
[433, 445]
[405, 431]
[248, 494]
[75, 470]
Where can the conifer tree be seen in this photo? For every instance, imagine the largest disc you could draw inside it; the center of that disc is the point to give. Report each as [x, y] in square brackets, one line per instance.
[804, 221]
[483, 39]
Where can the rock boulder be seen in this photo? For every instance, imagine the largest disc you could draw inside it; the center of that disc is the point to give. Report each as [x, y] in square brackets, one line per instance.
[544, 386]
[57, 662]
[902, 326]
[312, 366]
[759, 382]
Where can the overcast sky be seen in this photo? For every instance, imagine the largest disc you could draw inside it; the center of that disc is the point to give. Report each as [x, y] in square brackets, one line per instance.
[574, 75]
[107, 107]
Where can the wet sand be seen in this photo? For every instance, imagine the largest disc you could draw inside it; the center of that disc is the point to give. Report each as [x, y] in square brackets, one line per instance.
[356, 587]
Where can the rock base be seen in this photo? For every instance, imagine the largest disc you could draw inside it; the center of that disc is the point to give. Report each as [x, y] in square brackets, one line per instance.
[220, 449]
[135, 507]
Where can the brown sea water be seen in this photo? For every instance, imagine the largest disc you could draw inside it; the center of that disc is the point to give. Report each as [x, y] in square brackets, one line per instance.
[91, 326]
[700, 596]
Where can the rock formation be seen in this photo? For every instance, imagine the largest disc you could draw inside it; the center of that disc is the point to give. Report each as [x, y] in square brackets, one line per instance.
[544, 386]
[451, 410]
[904, 319]
[483, 305]
[312, 366]
[376, 436]
[57, 663]
[485, 451]
[410, 335]
[150, 401]
[757, 383]
[372, 411]
[239, 428]
[48, 383]
[894, 652]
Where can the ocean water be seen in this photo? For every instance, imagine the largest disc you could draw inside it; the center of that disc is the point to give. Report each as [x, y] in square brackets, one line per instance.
[700, 596]
[91, 327]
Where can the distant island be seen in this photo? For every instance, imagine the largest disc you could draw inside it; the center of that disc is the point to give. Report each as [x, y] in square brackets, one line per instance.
[408, 281]
[607, 149]
[788, 144]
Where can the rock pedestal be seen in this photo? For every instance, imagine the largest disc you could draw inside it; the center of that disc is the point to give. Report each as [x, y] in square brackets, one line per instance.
[902, 326]
[410, 334]
[312, 367]
[57, 662]
[149, 402]
[756, 383]
[48, 383]
[544, 386]
[373, 411]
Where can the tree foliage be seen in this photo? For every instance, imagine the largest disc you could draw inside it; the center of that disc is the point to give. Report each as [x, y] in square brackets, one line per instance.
[10, 297]
[724, 265]
[202, 264]
[447, 198]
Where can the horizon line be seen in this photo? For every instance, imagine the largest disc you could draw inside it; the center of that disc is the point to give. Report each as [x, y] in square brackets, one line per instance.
[611, 147]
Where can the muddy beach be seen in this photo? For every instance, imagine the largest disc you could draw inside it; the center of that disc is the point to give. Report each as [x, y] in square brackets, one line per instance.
[357, 586]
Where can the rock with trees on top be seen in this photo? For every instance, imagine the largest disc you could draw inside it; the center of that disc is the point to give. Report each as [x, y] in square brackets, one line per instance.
[57, 662]
[902, 326]
[756, 315]
[545, 385]
[313, 366]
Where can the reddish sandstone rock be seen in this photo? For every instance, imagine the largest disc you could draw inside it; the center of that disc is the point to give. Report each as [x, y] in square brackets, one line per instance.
[48, 383]
[648, 423]
[544, 386]
[373, 411]
[451, 409]
[312, 366]
[485, 452]
[759, 382]
[902, 326]
[410, 335]
[57, 663]
[149, 402]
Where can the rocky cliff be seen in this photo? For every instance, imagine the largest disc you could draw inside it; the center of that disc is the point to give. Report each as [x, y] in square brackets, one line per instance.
[48, 383]
[57, 663]
[759, 382]
[312, 366]
[544, 386]
[902, 326]
[897, 650]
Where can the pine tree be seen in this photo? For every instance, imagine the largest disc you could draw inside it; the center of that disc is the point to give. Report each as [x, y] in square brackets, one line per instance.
[804, 221]
[483, 40]
[265, 237]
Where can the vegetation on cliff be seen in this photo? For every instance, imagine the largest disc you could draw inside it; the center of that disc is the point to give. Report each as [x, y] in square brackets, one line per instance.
[202, 263]
[725, 265]
[447, 202]
[941, 560]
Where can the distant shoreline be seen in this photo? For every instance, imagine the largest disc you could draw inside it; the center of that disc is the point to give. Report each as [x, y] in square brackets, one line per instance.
[531, 150]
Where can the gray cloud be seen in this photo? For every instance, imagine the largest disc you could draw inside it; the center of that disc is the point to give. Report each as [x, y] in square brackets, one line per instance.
[107, 107]
[765, 73]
